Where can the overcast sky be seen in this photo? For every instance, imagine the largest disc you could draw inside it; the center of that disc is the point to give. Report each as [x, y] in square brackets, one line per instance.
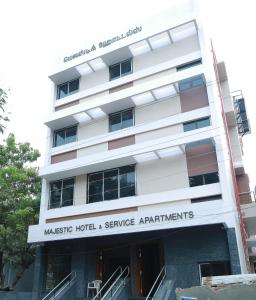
[36, 34]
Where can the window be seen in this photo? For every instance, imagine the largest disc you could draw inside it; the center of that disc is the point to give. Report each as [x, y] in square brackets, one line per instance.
[203, 179]
[121, 119]
[111, 184]
[120, 69]
[191, 83]
[64, 136]
[217, 268]
[61, 193]
[189, 65]
[196, 124]
[67, 88]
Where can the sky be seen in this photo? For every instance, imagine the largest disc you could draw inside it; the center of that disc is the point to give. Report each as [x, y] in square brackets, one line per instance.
[36, 34]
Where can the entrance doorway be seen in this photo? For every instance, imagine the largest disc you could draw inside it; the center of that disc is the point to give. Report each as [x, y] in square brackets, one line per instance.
[149, 263]
[111, 259]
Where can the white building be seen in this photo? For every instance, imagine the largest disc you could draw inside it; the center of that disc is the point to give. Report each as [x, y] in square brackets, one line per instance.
[142, 167]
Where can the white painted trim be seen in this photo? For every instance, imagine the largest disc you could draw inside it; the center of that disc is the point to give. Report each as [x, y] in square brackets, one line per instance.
[132, 77]
[141, 128]
[126, 93]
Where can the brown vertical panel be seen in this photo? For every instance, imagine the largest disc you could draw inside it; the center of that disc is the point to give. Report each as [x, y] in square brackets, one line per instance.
[63, 157]
[123, 142]
[121, 87]
[193, 98]
[201, 159]
[243, 187]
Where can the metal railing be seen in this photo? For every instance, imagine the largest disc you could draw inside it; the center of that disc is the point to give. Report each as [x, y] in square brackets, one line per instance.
[117, 284]
[155, 288]
[119, 268]
[61, 286]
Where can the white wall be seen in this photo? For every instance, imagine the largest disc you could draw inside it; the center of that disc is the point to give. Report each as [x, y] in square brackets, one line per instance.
[92, 129]
[157, 110]
[162, 175]
[166, 53]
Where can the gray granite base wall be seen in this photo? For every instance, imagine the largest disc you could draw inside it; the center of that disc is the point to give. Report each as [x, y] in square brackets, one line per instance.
[186, 248]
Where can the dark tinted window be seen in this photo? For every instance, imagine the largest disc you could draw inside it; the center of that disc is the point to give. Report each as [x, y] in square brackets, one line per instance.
[203, 179]
[211, 178]
[127, 181]
[191, 83]
[95, 187]
[196, 124]
[121, 119]
[111, 184]
[126, 67]
[120, 69]
[67, 88]
[195, 180]
[62, 91]
[189, 65]
[73, 86]
[114, 71]
[65, 136]
[61, 193]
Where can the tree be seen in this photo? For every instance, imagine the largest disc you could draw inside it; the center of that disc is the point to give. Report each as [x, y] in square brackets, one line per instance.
[19, 204]
[3, 117]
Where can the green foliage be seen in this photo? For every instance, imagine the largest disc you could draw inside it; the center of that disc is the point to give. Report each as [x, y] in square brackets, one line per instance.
[19, 202]
[3, 117]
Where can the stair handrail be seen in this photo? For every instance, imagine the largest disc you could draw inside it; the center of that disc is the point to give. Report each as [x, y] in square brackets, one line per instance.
[163, 271]
[126, 269]
[56, 291]
[101, 289]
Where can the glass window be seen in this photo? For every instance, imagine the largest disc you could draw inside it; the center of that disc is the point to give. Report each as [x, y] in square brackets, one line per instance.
[121, 119]
[111, 184]
[115, 121]
[114, 71]
[203, 179]
[189, 126]
[126, 67]
[61, 193]
[189, 65]
[67, 88]
[191, 83]
[127, 181]
[127, 118]
[211, 178]
[62, 91]
[65, 136]
[120, 69]
[95, 187]
[195, 180]
[196, 124]
[73, 86]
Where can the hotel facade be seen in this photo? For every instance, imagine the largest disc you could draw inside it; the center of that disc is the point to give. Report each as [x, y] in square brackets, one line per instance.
[143, 189]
